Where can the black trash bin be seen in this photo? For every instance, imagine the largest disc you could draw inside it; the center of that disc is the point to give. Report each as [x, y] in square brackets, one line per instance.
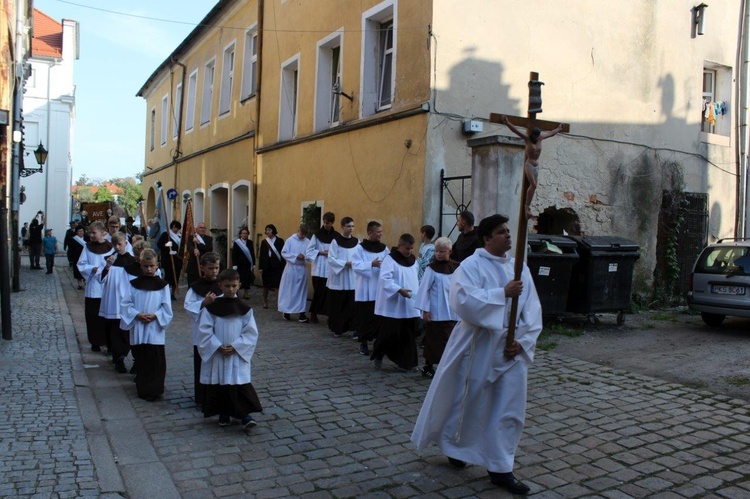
[551, 270]
[602, 279]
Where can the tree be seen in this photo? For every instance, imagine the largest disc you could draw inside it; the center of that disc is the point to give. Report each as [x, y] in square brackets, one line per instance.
[84, 180]
[131, 194]
[103, 195]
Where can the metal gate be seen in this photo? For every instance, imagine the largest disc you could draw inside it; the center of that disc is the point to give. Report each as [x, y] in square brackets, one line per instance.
[460, 200]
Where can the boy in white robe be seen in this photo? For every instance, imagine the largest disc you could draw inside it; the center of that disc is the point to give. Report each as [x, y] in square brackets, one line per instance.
[226, 341]
[395, 306]
[475, 407]
[119, 270]
[367, 260]
[432, 300]
[147, 311]
[91, 264]
[200, 294]
[317, 253]
[293, 287]
[341, 279]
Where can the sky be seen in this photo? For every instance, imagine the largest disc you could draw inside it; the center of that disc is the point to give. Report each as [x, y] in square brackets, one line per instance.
[118, 52]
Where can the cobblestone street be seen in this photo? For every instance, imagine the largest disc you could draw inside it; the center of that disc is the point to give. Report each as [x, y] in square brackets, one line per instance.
[332, 425]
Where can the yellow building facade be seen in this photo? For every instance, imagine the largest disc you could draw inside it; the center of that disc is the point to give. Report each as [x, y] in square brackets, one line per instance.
[201, 121]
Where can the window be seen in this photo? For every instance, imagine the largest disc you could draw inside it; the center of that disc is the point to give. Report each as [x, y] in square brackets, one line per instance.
[177, 110]
[192, 92]
[378, 58]
[328, 83]
[716, 91]
[250, 63]
[208, 92]
[164, 118]
[288, 99]
[153, 128]
[227, 77]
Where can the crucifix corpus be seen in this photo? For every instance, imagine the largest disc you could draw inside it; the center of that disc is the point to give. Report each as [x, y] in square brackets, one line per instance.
[536, 132]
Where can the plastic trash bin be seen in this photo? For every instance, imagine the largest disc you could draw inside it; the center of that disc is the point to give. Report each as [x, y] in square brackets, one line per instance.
[602, 279]
[550, 260]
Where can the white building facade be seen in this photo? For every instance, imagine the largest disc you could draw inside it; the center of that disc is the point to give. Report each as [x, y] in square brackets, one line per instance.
[49, 115]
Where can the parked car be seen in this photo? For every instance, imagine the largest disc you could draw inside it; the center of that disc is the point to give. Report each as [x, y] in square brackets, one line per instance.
[720, 282]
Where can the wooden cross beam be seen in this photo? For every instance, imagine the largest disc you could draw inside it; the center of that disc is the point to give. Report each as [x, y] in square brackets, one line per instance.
[530, 121]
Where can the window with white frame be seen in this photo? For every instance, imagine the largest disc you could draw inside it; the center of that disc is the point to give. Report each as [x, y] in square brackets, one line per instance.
[177, 110]
[378, 58]
[716, 91]
[288, 99]
[208, 92]
[250, 63]
[227, 78]
[328, 84]
[191, 96]
[153, 128]
[164, 118]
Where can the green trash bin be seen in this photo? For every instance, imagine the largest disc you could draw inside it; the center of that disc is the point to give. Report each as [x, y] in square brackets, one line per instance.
[602, 278]
[550, 259]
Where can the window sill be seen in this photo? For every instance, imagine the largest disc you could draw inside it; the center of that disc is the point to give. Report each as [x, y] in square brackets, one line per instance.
[245, 99]
[715, 139]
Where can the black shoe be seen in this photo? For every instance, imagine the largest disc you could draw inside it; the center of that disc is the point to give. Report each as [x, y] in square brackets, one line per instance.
[287, 317]
[120, 366]
[96, 348]
[248, 422]
[224, 420]
[428, 372]
[303, 318]
[363, 350]
[337, 335]
[509, 482]
[355, 336]
[457, 463]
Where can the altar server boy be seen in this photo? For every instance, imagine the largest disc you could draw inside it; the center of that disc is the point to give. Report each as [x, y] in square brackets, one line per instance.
[119, 270]
[201, 294]
[146, 311]
[395, 306]
[91, 264]
[227, 338]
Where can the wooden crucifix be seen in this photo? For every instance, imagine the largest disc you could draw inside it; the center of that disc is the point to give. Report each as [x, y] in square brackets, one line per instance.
[541, 130]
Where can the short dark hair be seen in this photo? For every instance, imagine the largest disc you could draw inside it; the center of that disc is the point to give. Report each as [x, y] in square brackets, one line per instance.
[534, 135]
[405, 239]
[175, 223]
[329, 217]
[487, 225]
[241, 229]
[229, 275]
[210, 257]
[346, 220]
[428, 230]
[273, 229]
[467, 217]
[372, 226]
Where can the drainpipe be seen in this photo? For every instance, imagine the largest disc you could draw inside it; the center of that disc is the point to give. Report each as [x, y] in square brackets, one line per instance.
[257, 112]
[743, 89]
[178, 144]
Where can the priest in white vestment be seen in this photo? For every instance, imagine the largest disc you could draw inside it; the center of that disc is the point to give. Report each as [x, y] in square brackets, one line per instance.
[475, 407]
[293, 287]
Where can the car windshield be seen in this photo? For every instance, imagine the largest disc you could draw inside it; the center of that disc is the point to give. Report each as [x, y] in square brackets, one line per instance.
[734, 260]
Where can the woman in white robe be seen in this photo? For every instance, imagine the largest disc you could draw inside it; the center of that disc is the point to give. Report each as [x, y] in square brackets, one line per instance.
[475, 407]
[293, 287]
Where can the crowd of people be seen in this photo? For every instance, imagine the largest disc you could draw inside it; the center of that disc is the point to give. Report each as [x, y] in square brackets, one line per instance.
[456, 293]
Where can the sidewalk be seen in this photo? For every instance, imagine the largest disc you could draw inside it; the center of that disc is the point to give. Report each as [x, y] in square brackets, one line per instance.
[332, 425]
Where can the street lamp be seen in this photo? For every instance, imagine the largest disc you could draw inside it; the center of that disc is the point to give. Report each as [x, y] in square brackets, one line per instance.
[41, 157]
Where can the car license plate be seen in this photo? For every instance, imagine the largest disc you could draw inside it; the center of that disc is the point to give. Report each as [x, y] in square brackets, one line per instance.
[721, 289]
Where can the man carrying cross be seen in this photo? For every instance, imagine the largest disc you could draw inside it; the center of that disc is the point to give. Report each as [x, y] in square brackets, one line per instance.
[533, 140]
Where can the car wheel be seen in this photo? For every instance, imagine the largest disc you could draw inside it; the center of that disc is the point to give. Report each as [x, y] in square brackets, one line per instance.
[712, 319]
